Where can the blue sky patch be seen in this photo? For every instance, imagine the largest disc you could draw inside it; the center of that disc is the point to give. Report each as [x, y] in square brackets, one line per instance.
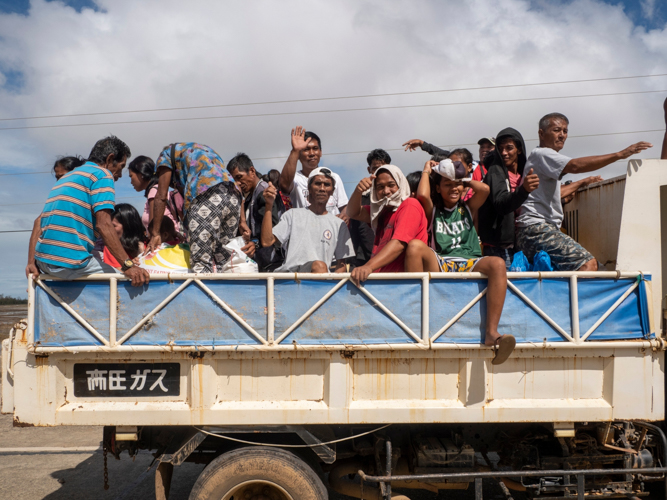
[15, 80]
[22, 6]
[651, 14]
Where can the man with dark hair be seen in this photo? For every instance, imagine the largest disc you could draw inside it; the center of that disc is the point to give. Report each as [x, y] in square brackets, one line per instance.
[111, 145]
[212, 206]
[376, 159]
[311, 236]
[79, 207]
[541, 216]
[307, 148]
[252, 186]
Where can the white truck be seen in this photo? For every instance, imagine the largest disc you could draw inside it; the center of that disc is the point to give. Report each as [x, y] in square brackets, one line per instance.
[282, 382]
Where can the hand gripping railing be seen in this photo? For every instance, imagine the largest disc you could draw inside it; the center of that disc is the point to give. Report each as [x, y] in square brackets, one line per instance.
[275, 340]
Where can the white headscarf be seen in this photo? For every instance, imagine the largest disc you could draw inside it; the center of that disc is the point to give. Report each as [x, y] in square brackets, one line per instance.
[393, 200]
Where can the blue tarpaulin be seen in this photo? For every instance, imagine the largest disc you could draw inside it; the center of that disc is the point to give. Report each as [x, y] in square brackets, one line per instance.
[347, 317]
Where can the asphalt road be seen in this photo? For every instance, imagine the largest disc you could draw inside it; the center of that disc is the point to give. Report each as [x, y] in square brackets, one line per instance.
[78, 475]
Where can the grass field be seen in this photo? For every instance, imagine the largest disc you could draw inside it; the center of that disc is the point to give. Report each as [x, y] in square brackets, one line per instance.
[10, 315]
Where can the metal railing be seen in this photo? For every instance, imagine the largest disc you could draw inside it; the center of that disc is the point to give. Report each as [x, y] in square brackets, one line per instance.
[117, 342]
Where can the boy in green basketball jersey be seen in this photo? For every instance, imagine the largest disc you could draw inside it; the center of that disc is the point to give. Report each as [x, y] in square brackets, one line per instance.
[454, 242]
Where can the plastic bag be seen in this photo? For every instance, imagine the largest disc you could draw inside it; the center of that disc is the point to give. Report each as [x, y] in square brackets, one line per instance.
[520, 263]
[542, 262]
[167, 259]
[239, 262]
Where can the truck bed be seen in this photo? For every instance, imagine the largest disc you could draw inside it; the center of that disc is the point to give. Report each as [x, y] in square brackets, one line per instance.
[316, 349]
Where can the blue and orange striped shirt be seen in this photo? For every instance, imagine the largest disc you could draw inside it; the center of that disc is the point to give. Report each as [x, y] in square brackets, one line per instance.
[68, 220]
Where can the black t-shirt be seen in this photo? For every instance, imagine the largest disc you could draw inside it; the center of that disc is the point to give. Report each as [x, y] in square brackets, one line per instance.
[363, 237]
[255, 206]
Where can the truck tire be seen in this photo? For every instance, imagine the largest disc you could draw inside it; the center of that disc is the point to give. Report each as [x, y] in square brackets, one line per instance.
[258, 473]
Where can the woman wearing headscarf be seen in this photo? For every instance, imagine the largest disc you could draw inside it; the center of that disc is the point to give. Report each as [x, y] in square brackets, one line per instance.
[395, 217]
[507, 194]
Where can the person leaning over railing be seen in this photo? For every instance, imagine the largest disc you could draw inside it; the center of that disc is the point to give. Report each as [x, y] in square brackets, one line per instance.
[312, 236]
[212, 207]
[143, 177]
[396, 219]
[455, 244]
[79, 205]
[541, 215]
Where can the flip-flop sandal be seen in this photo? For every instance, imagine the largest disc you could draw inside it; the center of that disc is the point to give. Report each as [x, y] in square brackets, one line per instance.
[504, 345]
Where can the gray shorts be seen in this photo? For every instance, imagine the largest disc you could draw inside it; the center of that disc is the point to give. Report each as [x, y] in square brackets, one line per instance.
[93, 266]
[565, 253]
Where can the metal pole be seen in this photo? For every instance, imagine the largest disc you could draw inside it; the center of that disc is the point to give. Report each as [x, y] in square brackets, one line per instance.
[574, 307]
[425, 310]
[31, 310]
[113, 311]
[270, 310]
[479, 495]
[456, 349]
[388, 468]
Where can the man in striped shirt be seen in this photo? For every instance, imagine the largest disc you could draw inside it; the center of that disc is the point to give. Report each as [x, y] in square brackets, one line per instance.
[78, 210]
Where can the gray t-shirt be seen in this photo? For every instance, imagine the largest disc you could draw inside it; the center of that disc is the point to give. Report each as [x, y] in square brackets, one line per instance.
[543, 204]
[308, 237]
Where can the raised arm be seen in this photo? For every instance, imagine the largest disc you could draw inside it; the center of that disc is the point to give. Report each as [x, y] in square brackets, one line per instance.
[354, 209]
[413, 144]
[571, 188]
[592, 163]
[481, 191]
[424, 189]
[32, 268]
[266, 236]
[299, 143]
[159, 204]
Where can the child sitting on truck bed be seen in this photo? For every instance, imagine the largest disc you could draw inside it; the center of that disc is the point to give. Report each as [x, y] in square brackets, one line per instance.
[455, 244]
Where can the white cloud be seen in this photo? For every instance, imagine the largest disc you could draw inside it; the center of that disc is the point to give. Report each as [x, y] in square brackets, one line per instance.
[138, 55]
[648, 8]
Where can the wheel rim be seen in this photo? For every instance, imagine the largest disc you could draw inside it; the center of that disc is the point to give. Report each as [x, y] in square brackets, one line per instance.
[257, 490]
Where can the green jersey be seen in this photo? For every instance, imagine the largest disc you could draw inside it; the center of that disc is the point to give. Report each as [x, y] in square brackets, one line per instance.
[453, 233]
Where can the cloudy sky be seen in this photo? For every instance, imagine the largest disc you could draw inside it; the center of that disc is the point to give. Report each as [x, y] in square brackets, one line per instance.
[118, 64]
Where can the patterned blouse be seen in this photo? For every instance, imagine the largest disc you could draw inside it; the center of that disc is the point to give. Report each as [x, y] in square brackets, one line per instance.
[198, 168]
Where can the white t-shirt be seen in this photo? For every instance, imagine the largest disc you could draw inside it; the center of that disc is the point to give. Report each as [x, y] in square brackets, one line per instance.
[543, 204]
[299, 193]
[308, 237]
